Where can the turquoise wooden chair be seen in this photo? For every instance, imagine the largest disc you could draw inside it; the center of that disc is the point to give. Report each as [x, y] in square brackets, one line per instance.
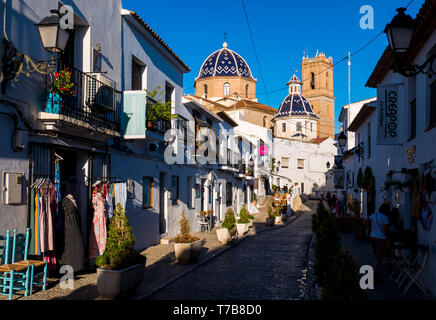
[14, 277]
[4, 257]
[38, 268]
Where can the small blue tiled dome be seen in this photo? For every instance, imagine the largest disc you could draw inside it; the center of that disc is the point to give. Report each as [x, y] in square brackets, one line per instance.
[224, 62]
[295, 104]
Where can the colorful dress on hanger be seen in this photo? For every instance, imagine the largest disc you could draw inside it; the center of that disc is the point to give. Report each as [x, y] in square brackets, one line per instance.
[97, 241]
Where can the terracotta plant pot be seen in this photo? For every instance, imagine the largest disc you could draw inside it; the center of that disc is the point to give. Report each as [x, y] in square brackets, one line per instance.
[223, 235]
[242, 228]
[270, 221]
[255, 203]
[116, 283]
[187, 252]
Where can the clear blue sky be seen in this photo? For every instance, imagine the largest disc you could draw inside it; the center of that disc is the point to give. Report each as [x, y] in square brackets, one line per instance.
[282, 30]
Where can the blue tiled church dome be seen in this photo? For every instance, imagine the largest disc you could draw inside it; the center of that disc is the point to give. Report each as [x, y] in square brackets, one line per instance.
[224, 62]
[295, 104]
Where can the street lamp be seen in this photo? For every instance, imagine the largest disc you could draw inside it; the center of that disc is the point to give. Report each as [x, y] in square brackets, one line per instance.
[342, 140]
[399, 33]
[54, 39]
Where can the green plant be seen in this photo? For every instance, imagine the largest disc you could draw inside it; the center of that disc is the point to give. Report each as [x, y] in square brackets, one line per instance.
[119, 252]
[277, 211]
[158, 110]
[63, 84]
[229, 220]
[184, 236]
[270, 213]
[244, 217]
[343, 280]
[254, 196]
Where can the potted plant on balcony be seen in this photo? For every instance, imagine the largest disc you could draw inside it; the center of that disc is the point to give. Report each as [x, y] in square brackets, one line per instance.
[121, 267]
[271, 217]
[157, 110]
[186, 246]
[228, 231]
[62, 88]
[243, 222]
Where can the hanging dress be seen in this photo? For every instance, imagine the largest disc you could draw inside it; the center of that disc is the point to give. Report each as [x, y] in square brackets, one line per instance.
[46, 234]
[97, 241]
[73, 253]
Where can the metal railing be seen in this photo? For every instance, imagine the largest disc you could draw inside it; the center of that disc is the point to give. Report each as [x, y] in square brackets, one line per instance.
[158, 125]
[93, 102]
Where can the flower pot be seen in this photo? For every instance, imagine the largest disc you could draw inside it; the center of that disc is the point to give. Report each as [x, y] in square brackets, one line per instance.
[223, 235]
[242, 228]
[187, 252]
[270, 221]
[278, 219]
[115, 283]
[255, 203]
[53, 103]
[250, 224]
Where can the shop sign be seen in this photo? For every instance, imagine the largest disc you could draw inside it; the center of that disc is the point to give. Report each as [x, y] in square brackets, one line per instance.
[389, 114]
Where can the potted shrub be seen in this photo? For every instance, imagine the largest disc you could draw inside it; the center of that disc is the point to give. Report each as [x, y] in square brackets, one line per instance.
[228, 231]
[121, 267]
[243, 222]
[186, 247]
[271, 217]
[255, 199]
[278, 216]
[249, 216]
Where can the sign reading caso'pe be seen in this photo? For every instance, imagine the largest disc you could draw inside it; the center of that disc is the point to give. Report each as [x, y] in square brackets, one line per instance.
[389, 114]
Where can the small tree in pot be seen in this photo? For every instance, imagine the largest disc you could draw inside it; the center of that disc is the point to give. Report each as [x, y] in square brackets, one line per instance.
[243, 221]
[186, 246]
[271, 217]
[121, 266]
[228, 230]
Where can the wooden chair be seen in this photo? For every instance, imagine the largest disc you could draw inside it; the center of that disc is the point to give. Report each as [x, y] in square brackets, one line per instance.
[15, 277]
[38, 268]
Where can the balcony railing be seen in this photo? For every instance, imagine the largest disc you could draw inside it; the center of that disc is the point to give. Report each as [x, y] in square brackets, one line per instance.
[94, 102]
[160, 125]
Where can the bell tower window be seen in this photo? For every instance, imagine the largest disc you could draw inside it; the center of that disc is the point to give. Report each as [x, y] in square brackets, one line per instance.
[226, 89]
[312, 82]
[205, 90]
[246, 90]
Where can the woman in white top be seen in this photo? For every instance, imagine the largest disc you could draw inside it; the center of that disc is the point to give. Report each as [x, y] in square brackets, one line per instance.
[378, 222]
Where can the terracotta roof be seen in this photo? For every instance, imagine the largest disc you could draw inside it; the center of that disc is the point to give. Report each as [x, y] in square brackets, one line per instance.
[255, 105]
[318, 140]
[425, 25]
[159, 39]
[360, 118]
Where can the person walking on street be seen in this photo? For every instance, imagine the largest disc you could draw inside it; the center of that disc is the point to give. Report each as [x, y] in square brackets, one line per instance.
[378, 224]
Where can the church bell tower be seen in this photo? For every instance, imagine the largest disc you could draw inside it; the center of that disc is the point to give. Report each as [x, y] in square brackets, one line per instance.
[317, 76]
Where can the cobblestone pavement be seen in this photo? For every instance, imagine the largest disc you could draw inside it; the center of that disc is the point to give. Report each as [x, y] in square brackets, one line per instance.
[269, 265]
[161, 268]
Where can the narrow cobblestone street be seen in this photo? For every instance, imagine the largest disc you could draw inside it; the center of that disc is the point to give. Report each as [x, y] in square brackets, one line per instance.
[269, 265]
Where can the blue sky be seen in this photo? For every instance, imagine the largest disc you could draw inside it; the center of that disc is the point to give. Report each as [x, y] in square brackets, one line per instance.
[282, 30]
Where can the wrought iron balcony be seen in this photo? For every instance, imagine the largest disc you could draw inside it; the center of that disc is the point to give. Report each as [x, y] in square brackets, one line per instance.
[90, 102]
[156, 125]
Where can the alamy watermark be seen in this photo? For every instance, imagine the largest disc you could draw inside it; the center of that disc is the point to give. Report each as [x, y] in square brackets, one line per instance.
[367, 280]
[367, 20]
